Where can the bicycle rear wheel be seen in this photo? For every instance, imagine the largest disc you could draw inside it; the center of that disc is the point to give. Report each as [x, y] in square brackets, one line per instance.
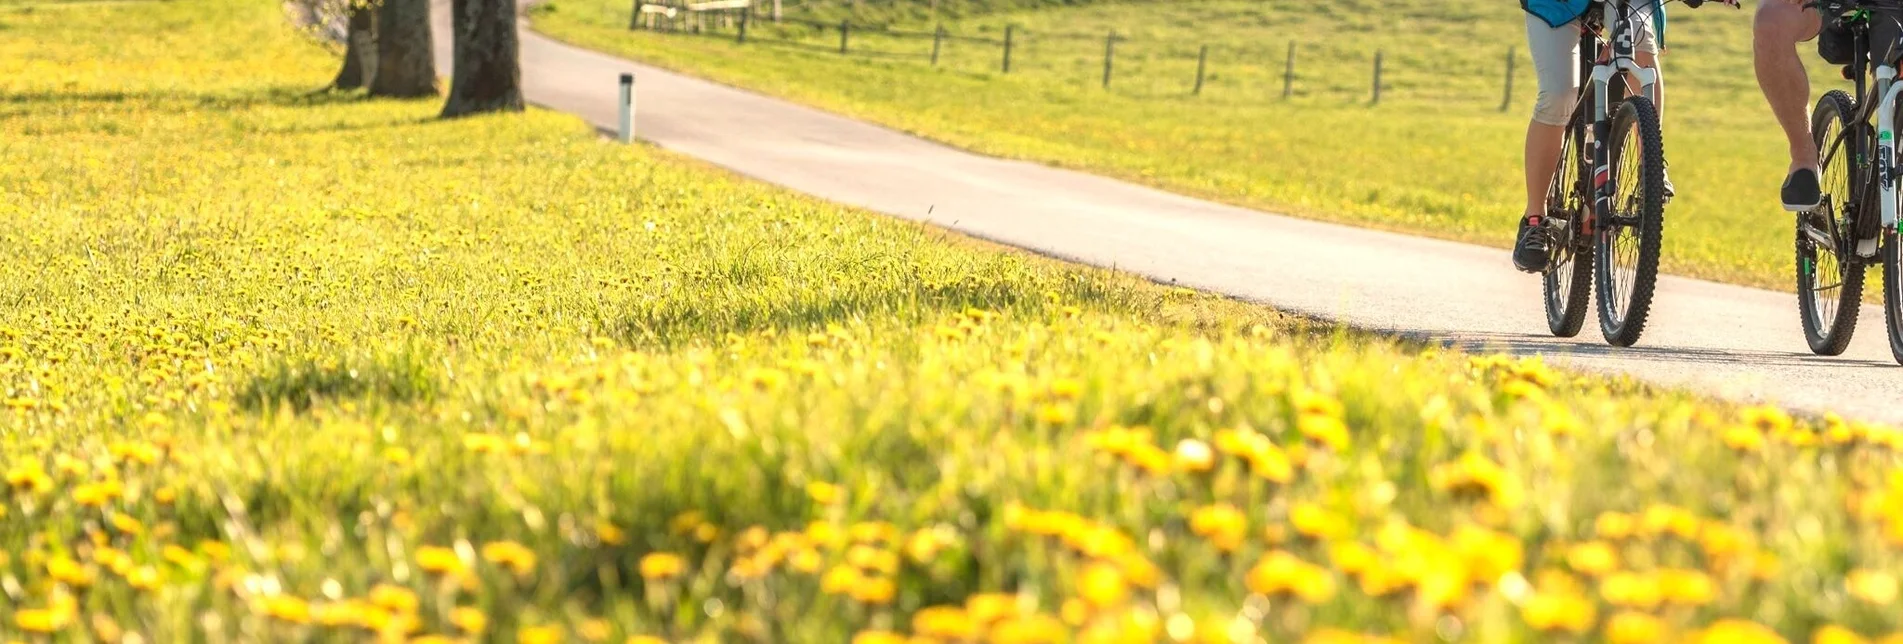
[1829, 277]
[1567, 281]
[1627, 256]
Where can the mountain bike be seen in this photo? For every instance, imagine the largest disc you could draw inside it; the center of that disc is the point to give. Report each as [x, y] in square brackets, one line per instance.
[1610, 241]
[1856, 224]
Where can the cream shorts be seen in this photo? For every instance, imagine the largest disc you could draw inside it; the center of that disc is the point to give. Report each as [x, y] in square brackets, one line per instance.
[1556, 62]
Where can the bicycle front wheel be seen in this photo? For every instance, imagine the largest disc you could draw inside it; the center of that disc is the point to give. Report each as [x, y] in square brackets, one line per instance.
[1829, 279]
[1629, 231]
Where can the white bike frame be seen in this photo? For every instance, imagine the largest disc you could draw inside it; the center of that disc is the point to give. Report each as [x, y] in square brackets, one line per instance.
[1886, 170]
[1622, 42]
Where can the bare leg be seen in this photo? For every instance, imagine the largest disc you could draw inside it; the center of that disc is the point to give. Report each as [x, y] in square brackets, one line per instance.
[1542, 159]
[1779, 26]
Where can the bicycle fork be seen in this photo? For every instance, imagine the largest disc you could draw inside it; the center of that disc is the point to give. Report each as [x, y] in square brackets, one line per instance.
[1886, 167]
[1614, 57]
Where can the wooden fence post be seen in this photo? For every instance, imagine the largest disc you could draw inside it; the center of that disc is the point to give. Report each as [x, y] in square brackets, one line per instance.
[1009, 32]
[938, 41]
[1288, 73]
[1202, 63]
[1377, 77]
[1508, 100]
[1109, 56]
[745, 14]
[845, 34]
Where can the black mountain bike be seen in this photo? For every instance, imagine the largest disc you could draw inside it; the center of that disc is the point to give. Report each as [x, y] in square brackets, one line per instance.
[1856, 225]
[1606, 206]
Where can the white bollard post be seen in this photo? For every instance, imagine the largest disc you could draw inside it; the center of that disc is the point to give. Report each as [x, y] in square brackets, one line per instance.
[627, 108]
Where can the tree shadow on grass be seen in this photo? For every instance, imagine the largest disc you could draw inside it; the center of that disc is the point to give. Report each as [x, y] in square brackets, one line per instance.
[713, 313]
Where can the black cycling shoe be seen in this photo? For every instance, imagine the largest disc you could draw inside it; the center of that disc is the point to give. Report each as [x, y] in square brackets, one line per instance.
[1800, 191]
[1534, 248]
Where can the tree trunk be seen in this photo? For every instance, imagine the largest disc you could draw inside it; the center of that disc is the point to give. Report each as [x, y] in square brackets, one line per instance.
[487, 75]
[360, 49]
[405, 65]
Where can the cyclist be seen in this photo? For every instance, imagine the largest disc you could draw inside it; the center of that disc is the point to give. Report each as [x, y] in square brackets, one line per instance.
[1777, 29]
[1552, 34]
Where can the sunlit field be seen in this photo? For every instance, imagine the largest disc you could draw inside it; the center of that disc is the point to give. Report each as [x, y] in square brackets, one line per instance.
[290, 365]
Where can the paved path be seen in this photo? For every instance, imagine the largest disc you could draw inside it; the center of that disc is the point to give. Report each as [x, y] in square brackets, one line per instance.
[1740, 343]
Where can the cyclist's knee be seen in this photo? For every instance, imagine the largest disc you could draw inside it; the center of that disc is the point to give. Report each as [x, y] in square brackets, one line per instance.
[1554, 107]
[1783, 24]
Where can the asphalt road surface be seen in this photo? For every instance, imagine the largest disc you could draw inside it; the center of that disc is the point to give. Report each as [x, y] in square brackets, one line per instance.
[1737, 343]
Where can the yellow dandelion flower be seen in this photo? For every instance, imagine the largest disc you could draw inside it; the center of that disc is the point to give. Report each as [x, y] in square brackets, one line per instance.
[1737, 631]
[1194, 456]
[1686, 587]
[1102, 585]
[1631, 590]
[1615, 525]
[517, 557]
[1595, 558]
[1056, 414]
[484, 443]
[1279, 572]
[144, 578]
[40, 620]
[66, 571]
[395, 599]
[825, 493]
[1273, 464]
[1744, 438]
[1721, 541]
[127, 525]
[1222, 524]
[1874, 586]
[1488, 554]
[873, 559]
[595, 630]
[97, 494]
[1665, 519]
[1767, 419]
[1330, 431]
[878, 637]
[1558, 611]
[539, 635]
[986, 608]
[877, 591]
[1151, 459]
[288, 608]
[1311, 521]
[438, 560]
[469, 620]
[1028, 629]
[1351, 557]
[610, 534]
[661, 566]
[839, 580]
[1074, 612]
[944, 622]
[29, 477]
[805, 560]
[923, 546]
[1139, 571]
[1834, 634]
[1630, 627]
